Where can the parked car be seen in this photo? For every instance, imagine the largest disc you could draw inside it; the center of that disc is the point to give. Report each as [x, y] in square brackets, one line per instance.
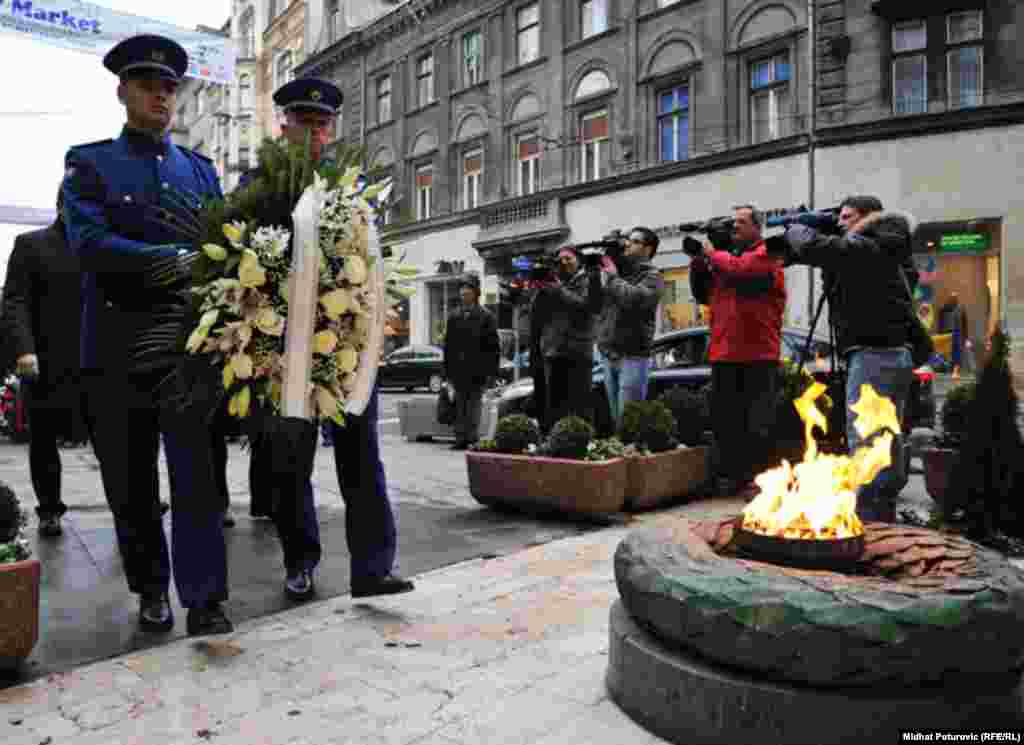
[679, 358]
[411, 367]
[13, 410]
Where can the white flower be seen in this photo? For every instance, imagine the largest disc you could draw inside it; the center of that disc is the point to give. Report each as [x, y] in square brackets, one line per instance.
[272, 240]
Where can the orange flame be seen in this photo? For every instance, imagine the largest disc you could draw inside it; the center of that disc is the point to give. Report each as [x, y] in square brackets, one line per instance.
[817, 498]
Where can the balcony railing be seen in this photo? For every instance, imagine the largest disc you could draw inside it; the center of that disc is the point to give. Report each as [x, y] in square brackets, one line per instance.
[525, 211]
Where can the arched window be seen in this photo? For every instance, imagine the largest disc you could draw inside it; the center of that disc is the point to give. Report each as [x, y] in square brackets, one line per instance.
[245, 91]
[283, 69]
[593, 82]
[247, 34]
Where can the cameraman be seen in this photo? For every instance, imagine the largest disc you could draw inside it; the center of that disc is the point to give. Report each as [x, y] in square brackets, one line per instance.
[566, 311]
[861, 254]
[746, 291]
[625, 328]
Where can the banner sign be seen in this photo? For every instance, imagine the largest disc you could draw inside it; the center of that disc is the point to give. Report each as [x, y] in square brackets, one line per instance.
[86, 27]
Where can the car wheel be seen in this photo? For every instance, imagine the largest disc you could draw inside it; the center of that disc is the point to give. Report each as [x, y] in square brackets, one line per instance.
[435, 383]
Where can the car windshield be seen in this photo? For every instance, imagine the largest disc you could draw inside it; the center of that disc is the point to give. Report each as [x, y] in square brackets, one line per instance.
[794, 345]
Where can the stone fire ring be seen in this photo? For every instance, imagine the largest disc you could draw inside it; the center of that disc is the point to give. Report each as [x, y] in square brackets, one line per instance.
[936, 606]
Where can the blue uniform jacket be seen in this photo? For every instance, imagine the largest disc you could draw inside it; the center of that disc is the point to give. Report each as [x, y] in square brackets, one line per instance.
[114, 193]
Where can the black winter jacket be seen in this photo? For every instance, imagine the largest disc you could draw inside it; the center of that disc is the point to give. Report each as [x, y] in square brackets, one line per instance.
[472, 348]
[626, 325]
[569, 312]
[868, 301]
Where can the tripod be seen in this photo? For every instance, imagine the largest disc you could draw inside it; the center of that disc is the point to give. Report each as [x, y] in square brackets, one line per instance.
[835, 440]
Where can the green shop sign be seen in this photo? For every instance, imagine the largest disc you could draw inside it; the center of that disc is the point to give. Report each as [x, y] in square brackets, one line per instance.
[956, 243]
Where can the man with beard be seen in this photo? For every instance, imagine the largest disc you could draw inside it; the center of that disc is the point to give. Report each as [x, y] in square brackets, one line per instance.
[567, 340]
[625, 329]
[745, 289]
[869, 276]
[117, 194]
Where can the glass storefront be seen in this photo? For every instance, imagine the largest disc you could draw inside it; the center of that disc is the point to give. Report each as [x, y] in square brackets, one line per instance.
[444, 300]
[678, 309]
[958, 291]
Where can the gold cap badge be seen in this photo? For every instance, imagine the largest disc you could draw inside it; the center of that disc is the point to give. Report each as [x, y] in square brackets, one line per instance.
[157, 56]
[315, 95]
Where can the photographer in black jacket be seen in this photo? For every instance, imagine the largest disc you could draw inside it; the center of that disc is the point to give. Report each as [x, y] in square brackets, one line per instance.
[866, 257]
[632, 288]
[567, 310]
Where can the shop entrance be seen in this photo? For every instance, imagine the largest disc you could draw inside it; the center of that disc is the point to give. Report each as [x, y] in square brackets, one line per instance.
[959, 290]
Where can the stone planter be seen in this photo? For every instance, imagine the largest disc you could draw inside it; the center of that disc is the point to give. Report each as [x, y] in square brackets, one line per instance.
[658, 479]
[571, 486]
[19, 611]
[938, 465]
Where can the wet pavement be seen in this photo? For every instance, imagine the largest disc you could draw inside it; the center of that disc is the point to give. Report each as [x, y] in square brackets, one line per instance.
[88, 614]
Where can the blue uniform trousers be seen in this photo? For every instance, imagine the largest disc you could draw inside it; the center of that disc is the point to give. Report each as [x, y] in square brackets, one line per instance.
[369, 521]
[126, 426]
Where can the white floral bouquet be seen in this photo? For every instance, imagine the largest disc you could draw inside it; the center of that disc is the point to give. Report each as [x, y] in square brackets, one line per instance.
[243, 308]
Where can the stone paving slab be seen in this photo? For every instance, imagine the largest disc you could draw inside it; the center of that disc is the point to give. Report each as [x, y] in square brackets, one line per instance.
[506, 650]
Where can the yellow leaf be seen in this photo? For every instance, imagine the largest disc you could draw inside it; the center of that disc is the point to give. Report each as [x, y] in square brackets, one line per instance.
[355, 269]
[242, 365]
[232, 233]
[239, 404]
[326, 403]
[335, 302]
[250, 273]
[347, 359]
[269, 323]
[324, 342]
[228, 375]
[215, 252]
[196, 339]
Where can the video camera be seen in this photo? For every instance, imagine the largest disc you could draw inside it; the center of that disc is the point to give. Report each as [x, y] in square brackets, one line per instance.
[824, 221]
[531, 272]
[718, 231]
[612, 245]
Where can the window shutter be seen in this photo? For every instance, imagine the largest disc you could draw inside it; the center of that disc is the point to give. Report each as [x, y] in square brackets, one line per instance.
[595, 128]
[528, 148]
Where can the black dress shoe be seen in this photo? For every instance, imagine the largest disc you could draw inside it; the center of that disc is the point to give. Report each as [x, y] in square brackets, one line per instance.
[389, 584]
[155, 613]
[49, 526]
[208, 620]
[299, 586]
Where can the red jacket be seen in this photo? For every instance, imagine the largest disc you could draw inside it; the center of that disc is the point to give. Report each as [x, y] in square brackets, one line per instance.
[747, 297]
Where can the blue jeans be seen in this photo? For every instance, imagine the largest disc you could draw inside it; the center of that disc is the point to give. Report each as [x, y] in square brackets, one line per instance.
[625, 380]
[890, 372]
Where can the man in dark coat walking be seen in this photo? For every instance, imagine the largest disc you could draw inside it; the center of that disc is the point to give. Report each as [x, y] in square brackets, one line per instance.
[472, 354]
[42, 313]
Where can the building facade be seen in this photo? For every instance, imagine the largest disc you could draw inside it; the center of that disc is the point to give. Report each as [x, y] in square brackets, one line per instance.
[513, 126]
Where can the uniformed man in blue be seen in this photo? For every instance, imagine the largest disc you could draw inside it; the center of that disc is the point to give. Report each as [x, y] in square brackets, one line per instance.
[310, 106]
[113, 193]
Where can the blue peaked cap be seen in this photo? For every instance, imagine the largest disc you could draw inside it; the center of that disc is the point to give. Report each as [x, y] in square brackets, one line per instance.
[309, 93]
[148, 54]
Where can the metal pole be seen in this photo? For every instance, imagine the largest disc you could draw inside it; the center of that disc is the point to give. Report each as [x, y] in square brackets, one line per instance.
[515, 342]
[812, 120]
